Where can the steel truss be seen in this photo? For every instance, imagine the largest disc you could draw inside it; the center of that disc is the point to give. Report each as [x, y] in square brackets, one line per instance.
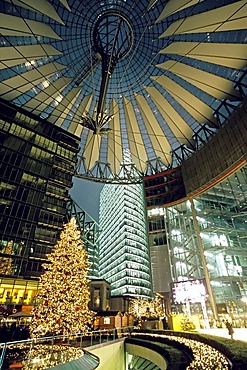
[102, 172]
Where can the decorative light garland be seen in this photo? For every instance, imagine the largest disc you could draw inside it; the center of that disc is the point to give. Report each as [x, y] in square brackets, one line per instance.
[205, 356]
[44, 356]
[143, 307]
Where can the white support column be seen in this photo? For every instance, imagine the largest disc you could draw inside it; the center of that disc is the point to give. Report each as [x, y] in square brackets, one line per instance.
[204, 262]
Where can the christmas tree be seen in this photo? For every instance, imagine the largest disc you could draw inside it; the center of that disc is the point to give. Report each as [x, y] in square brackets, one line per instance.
[187, 324]
[64, 288]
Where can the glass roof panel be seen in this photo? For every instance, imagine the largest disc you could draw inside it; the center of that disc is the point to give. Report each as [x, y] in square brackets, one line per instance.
[166, 67]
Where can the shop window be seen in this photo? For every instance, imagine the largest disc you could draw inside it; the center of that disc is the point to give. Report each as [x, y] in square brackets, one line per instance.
[107, 320]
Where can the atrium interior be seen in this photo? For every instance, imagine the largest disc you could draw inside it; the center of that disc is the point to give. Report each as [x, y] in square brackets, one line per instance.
[82, 83]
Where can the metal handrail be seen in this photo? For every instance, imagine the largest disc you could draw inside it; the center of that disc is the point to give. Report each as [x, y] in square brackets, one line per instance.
[72, 340]
[3, 353]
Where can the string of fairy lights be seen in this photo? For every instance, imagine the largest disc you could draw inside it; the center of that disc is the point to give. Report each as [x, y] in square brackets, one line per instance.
[43, 356]
[64, 293]
[205, 357]
[149, 308]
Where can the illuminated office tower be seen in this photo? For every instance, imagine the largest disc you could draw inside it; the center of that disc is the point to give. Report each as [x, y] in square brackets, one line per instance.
[37, 161]
[123, 256]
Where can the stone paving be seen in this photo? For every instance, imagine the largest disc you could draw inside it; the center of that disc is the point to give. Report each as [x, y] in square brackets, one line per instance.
[239, 334]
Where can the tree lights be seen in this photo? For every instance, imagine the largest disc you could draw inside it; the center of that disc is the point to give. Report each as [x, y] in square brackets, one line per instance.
[64, 293]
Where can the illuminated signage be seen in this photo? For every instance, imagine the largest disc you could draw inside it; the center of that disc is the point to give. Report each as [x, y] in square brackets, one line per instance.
[190, 290]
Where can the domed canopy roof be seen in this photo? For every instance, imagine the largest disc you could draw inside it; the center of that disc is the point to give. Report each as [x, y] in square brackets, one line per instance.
[142, 83]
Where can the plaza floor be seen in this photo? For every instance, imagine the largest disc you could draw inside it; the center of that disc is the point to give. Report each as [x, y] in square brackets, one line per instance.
[239, 334]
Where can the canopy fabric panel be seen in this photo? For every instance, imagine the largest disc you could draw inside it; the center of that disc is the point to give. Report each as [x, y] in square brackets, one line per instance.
[174, 6]
[43, 7]
[216, 86]
[13, 56]
[92, 149]
[136, 143]
[217, 53]
[153, 79]
[194, 106]
[65, 3]
[64, 106]
[71, 97]
[17, 85]
[15, 26]
[226, 18]
[160, 143]
[83, 108]
[40, 101]
[177, 124]
[114, 148]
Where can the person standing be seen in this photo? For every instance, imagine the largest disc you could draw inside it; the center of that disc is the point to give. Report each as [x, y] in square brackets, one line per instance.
[229, 328]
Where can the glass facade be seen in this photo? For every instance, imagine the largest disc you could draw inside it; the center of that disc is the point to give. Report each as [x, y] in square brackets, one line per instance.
[164, 188]
[123, 255]
[90, 236]
[220, 213]
[37, 165]
[18, 293]
[160, 189]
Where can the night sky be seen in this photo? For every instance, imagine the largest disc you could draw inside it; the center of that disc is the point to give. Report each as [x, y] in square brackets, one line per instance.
[86, 194]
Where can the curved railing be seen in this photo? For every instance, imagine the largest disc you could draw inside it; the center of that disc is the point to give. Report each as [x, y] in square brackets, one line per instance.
[31, 354]
[57, 350]
[62, 351]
